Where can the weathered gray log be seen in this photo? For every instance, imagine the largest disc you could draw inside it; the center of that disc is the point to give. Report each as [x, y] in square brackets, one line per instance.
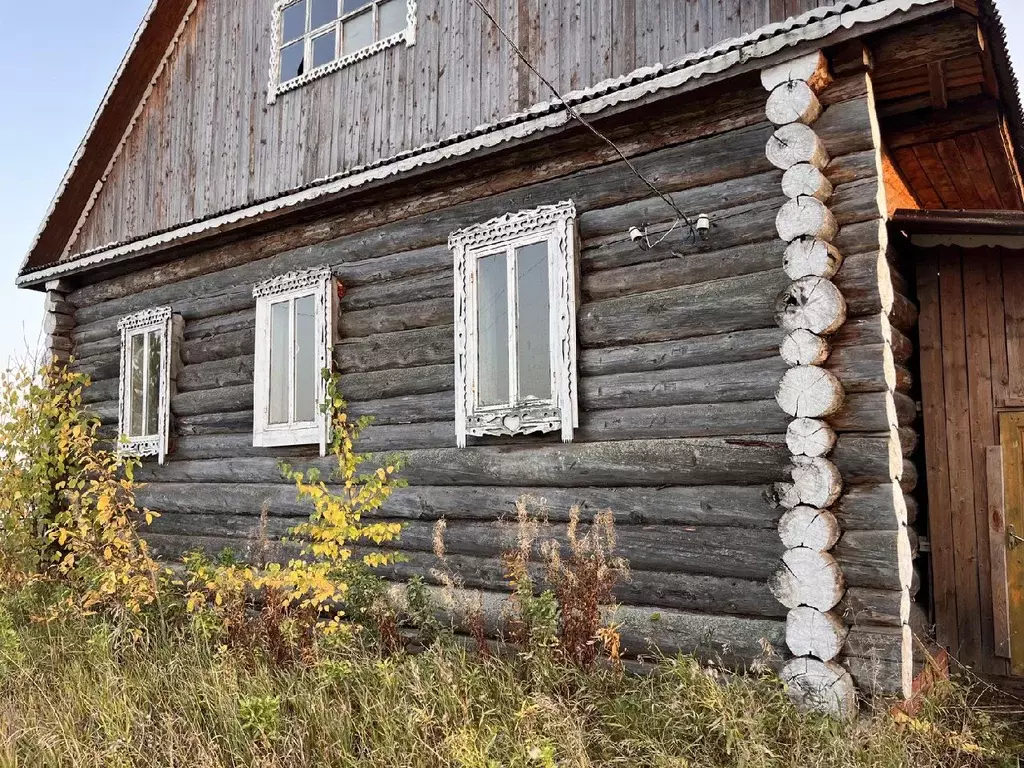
[793, 102]
[873, 412]
[238, 422]
[222, 347]
[404, 349]
[881, 658]
[697, 420]
[809, 391]
[875, 607]
[739, 346]
[810, 257]
[810, 437]
[809, 527]
[796, 143]
[402, 291]
[810, 632]
[821, 685]
[801, 347]
[715, 551]
[808, 578]
[714, 461]
[875, 507]
[806, 217]
[212, 327]
[873, 329]
[229, 372]
[101, 347]
[804, 180]
[397, 382]
[720, 306]
[389, 318]
[98, 391]
[732, 506]
[816, 482]
[810, 303]
[221, 400]
[873, 559]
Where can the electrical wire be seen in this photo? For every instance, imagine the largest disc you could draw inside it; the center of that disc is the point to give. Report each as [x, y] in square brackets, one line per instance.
[586, 123]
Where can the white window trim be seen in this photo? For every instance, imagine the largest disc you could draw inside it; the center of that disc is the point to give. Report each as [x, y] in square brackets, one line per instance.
[318, 283]
[143, 323]
[556, 224]
[276, 88]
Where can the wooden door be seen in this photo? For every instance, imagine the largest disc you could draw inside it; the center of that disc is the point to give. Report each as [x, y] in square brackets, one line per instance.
[1011, 427]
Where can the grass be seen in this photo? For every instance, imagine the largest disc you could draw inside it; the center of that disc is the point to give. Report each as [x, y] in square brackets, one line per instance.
[78, 692]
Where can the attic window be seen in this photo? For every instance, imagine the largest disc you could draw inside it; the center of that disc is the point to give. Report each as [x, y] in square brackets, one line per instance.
[515, 324]
[315, 37]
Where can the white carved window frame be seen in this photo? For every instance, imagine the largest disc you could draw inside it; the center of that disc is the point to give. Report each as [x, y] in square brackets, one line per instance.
[276, 88]
[143, 323]
[318, 283]
[555, 224]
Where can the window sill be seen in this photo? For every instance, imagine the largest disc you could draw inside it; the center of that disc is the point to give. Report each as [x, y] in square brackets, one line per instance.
[275, 438]
[148, 445]
[407, 36]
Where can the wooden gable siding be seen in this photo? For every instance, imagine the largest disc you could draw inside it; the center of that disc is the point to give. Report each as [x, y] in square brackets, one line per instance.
[680, 434]
[207, 141]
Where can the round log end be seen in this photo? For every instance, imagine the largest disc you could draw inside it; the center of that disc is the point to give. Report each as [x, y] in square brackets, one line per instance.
[823, 686]
[804, 180]
[808, 257]
[809, 391]
[794, 144]
[810, 632]
[810, 437]
[811, 304]
[809, 527]
[793, 102]
[816, 481]
[808, 578]
[806, 217]
[801, 347]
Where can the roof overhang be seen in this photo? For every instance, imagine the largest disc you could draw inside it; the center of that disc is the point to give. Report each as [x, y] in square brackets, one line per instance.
[963, 229]
[764, 47]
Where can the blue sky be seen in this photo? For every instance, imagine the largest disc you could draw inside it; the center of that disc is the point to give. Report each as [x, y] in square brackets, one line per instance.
[58, 65]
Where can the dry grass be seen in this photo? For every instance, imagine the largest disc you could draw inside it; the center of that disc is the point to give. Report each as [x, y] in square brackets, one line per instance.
[79, 693]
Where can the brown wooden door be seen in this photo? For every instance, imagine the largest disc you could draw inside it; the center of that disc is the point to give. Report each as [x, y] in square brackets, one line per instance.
[1011, 427]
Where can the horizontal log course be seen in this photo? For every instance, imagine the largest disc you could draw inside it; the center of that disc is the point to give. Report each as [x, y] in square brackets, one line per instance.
[846, 127]
[679, 591]
[874, 329]
[229, 372]
[100, 390]
[720, 306]
[871, 559]
[215, 326]
[875, 507]
[401, 291]
[103, 346]
[237, 422]
[880, 659]
[220, 400]
[221, 347]
[716, 551]
[698, 461]
[734, 347]
[873, 412]
[391, 317]
[403, 349]
[709, 506]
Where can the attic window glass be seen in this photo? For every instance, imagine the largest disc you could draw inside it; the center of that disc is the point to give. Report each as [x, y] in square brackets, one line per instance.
[294, 333]
[315, 37]
[144, 391]
[515, 333]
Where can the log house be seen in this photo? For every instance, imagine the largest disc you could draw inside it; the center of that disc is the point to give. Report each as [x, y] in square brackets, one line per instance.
[703, 263]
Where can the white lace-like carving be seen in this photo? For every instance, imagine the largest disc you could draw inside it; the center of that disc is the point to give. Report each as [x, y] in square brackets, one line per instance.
[556, 225]
[292, 281]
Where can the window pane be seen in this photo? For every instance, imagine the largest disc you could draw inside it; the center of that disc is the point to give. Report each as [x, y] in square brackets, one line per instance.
[355, 5]
[534, 345]
[153, 384]
[136, 385]
[324, 49]
[322, 12]
[305, 359]
[358, 32]
[293, 61]
[492, 330]
[392, 17]
[279, 352]
[293, 22]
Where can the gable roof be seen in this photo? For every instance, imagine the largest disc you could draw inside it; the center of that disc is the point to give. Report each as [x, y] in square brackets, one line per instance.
[166, 19]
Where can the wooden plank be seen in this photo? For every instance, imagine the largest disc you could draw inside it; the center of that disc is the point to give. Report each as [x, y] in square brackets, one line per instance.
[1013, 303]
[1011, 427]
[997, 327]
[982, 434]
[956, 168]
[932, 164]
[997, 551]
[917, 178]
[936, 455]
[959, 447]
[974, 158]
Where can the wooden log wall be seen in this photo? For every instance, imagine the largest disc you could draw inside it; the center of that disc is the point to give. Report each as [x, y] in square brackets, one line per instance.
[812, 580]
[680, 434]
[207, 141]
